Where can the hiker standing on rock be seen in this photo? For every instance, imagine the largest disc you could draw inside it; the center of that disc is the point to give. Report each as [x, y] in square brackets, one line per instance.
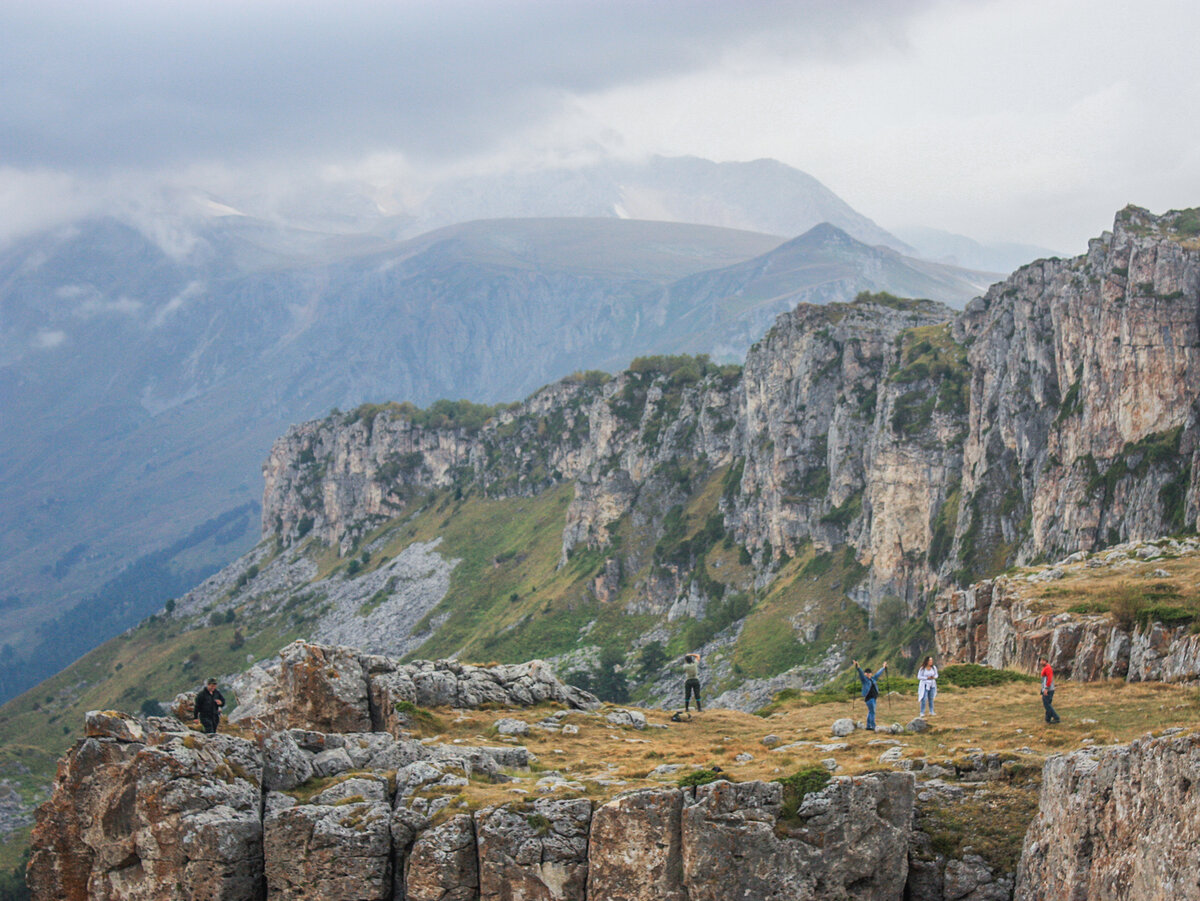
[1048, 691]
[870, 690]
[691, 681]
[927, 685]
[208, 706]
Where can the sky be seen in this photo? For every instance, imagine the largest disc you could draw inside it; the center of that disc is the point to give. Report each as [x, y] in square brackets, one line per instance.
[1029, 121]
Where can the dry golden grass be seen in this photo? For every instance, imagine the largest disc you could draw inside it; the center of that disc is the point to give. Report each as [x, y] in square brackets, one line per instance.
[1104, 585]
[1008, 718]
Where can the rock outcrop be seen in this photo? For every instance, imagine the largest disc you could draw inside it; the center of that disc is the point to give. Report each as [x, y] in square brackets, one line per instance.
[149, 809]
[1118, 822]
[173, 817]
[338, 689]
[992, 622]
[1057, 413]
[184, 816]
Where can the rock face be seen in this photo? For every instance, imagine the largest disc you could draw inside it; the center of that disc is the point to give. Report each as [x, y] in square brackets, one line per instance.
[846, 839]
[185, 816]
[318, 851]
[990, 623]
[1057, 413]
[538, 852]
[1083, 426]
[637, 848]
[176, 817]
[335, 689]
[1115, 823]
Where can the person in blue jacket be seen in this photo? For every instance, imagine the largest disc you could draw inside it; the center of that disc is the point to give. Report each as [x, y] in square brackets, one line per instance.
[870, 690]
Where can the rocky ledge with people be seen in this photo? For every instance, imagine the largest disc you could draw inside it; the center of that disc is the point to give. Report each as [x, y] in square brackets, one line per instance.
[314, 790]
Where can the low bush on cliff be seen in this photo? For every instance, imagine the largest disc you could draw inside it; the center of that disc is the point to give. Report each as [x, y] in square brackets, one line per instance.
[1160, 602]
[972, 675]
[699, 777]
[798, 785]
[992, 822]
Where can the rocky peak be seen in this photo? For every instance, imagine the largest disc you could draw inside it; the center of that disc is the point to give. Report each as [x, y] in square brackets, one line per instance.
[1057, 413]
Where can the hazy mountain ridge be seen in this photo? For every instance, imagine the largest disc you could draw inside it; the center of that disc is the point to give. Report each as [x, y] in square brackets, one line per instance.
[762, 195]
[959, 250]
[879, 426]
[207, 356]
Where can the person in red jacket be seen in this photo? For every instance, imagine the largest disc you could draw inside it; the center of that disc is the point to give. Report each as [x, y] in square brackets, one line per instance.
[1048, 691]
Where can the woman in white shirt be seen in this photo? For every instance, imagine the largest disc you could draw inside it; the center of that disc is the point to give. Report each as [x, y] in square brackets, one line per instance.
[927, 686]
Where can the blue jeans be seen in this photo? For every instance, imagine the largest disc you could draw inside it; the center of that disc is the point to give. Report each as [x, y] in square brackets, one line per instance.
[927, 696]
[871, 712]
[1048, 703]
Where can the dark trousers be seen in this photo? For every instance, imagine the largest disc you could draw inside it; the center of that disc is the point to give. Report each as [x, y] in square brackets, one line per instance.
[209, 723]
[691, 688]
[1048, 703]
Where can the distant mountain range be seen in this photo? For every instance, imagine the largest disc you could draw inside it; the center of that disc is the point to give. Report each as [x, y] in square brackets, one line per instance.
[149, 376]
[957, 250]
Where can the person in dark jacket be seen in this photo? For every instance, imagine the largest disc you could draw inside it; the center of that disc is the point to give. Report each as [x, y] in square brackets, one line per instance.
[208, 706]
[870, 690]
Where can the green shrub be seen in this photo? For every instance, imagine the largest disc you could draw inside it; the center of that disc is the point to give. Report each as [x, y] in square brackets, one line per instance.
[1086, 608]
[798, 785]
[419, 718]
[699, 777]
[971, 675]
[1169, 616]
[1188, 222]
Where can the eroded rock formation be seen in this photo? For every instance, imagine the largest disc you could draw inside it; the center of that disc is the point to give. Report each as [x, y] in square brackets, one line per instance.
[1057, 413]
[1117, 823]
[992, 623]
[339, 689]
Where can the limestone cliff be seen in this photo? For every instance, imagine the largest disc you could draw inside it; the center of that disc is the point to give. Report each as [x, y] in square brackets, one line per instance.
[1118, 822]
[1012, 621]
[149, 809]
[1084, 385]
[1057, 413]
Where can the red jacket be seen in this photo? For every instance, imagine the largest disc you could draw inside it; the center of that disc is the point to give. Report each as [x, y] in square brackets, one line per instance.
[1047, 678]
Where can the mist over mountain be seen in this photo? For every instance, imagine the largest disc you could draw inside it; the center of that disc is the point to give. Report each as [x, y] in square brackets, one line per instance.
[762, 195]
[149, 370]
[959, 250]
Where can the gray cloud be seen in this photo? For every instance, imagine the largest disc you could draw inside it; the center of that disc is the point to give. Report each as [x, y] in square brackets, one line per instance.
[136, 84]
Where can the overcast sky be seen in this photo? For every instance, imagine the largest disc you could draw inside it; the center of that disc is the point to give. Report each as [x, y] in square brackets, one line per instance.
[1019, 120]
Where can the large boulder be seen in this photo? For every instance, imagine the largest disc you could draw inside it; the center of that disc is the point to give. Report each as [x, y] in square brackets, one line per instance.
[848, 840]
[1119, 822]
[309, 687]
[336, 689]
[535, 851]
[636, 851]
[321, 851]
[285, 765]
[113, 724]
[174, 818]
[441, 864]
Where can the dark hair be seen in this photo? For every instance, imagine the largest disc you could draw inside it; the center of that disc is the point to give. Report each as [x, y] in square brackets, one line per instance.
[928, 659]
